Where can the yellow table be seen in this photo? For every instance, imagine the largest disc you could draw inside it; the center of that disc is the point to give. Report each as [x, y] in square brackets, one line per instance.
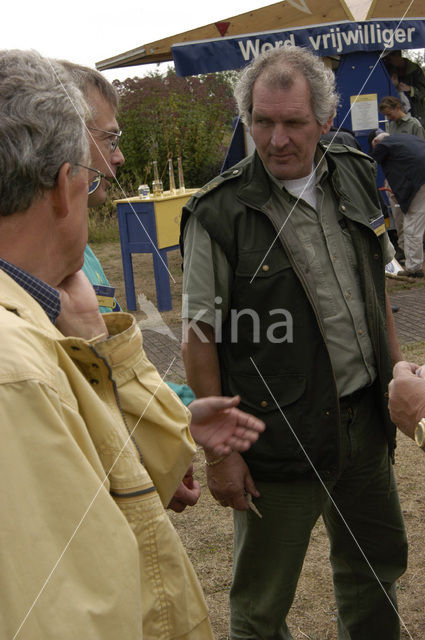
[150, 225]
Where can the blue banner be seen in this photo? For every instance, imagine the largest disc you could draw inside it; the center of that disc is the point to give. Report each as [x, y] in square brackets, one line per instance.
[335, 38]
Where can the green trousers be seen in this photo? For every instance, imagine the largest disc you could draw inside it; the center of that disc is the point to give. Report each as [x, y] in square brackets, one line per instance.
[269, 552]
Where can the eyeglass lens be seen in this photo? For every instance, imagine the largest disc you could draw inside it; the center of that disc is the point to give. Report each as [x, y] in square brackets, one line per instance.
[95, 184]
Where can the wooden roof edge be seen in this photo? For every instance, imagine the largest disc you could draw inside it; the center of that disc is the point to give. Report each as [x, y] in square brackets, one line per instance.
[157, 51]
[134, 57]
[160, 50]
[379, 9]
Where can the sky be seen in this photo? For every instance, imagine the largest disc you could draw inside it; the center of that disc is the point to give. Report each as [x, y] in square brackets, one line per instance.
[86, 31]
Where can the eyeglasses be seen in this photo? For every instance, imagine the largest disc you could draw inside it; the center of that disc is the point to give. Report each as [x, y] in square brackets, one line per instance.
[114, 137]
[97, 180]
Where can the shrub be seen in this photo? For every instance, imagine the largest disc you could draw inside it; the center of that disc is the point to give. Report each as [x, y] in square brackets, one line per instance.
[102, 221]
[163, 115]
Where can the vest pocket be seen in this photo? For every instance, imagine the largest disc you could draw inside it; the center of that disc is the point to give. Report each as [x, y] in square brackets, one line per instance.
[262, 263]
[282, 404]
[260, 398]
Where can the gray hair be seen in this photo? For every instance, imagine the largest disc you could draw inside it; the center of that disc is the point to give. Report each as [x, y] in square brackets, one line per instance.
[42, 125]
[278, 68]
[86, 78]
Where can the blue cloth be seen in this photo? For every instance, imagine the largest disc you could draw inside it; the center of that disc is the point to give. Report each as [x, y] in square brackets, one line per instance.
[104, 292]
[46, 296]
[184, 392]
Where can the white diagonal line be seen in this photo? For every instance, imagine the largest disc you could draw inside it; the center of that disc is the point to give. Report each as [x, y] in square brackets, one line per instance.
[101, 486]
[373, 69]
[130, 204]
[311, 463]
[112, 172]
[313, 175]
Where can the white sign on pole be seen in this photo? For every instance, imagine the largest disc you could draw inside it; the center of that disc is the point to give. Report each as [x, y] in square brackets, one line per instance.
[364, 112]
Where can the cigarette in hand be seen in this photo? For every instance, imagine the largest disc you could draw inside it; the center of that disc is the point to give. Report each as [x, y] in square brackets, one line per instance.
[252, 506]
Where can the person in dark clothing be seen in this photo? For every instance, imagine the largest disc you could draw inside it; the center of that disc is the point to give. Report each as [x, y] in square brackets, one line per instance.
[402, 158]
[338, 135]
[408, 77]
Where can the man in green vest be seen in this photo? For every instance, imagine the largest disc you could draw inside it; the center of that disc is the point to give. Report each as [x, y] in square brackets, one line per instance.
[284, 302]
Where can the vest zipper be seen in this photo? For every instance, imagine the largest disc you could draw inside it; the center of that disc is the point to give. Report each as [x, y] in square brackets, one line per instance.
[307, 292]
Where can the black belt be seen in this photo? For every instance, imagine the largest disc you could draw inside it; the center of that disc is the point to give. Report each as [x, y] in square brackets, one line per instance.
[356, 396]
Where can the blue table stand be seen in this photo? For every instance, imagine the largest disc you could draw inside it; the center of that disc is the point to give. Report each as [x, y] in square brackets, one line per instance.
[150, 226]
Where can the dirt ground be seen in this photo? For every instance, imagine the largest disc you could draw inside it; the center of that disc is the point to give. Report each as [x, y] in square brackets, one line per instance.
[206, 529]
[110, 256]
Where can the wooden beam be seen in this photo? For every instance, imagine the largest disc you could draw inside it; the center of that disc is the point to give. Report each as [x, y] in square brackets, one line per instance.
[396, 9]
[274, 17]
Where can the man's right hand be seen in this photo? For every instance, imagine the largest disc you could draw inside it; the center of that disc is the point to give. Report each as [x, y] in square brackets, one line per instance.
[80, 315]
[407, 396]
[230, 480]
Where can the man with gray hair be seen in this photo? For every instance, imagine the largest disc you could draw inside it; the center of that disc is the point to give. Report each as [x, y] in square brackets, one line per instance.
[106, 157]
[93, 444]
[284, 301]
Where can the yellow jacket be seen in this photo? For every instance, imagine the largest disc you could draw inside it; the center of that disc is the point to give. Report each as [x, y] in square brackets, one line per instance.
[86, 547]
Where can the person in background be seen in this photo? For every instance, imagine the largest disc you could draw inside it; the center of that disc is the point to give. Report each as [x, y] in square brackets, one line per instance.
[93, 443]
[284, 300]
[338, 135]
[402, 158]
[107, 157]
[408, 78]
[400, 122]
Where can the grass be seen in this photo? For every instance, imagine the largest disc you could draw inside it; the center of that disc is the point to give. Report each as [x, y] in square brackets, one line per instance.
[102, 224]
[395, 284]
[207, 528]
[102, 227]
[414, 351]
[103, 221]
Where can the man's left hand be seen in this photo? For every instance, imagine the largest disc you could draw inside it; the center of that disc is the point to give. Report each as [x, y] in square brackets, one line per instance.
[220, 428]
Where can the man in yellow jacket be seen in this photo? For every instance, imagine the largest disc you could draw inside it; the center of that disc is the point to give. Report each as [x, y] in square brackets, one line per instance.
[93, 443]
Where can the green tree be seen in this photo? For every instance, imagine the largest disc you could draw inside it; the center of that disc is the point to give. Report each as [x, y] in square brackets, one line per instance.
[165, 116]
[417, 55]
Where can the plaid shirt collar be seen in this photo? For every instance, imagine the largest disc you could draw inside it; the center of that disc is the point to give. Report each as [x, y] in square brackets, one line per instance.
[46, 296]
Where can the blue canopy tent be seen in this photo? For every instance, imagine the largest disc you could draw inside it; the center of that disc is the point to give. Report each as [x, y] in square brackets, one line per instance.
[360, 72]
[351, 40]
